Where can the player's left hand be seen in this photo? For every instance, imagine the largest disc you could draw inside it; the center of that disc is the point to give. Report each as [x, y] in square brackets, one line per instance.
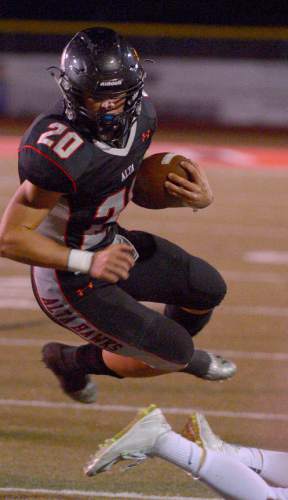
[194, 193]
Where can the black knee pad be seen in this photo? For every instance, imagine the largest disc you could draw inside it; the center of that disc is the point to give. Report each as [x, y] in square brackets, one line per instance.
[193, 323]
[168, 340]
[206, 286]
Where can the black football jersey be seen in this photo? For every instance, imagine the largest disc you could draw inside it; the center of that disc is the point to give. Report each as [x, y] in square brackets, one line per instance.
[95, 179]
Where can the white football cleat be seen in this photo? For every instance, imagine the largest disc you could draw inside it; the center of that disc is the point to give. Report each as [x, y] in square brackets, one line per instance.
[135, 442]
[199, 431]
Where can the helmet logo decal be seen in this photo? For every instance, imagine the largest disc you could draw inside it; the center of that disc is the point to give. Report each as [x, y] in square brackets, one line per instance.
[111, 83]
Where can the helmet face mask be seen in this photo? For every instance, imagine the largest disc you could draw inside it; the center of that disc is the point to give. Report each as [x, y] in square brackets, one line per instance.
[99, 64]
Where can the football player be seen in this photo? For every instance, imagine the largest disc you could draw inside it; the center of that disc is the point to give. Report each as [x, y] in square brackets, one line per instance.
[77, 166]
[236, 472]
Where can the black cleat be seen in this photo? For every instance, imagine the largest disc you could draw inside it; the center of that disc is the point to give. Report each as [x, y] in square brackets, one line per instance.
[74, 382]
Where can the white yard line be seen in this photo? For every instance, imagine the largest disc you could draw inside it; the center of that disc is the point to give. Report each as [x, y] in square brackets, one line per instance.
[267, 356]
[21, 284]
[242, 310]
[255, 277]
[17, 303]
[262, 356]
[4, 341]
[96, 494]
[266, 257]
[16, 294]
[130, 408]
[275, 233]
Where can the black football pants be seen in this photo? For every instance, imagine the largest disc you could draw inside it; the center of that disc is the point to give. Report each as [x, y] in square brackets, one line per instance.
[111, 315]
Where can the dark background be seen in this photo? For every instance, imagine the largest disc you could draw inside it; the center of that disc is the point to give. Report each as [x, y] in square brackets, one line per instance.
[259, 13]
[232, 12]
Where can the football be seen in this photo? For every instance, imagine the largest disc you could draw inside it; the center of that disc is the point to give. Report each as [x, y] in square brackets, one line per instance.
[149, 190]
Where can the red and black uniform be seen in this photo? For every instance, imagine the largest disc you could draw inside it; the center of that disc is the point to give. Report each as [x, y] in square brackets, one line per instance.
[96, 182]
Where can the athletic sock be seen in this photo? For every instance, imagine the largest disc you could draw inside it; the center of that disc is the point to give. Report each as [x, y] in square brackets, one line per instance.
[179, 451]
[280, 493]
[271, 465]
[199, 364]
[87, 358]
[192, 322]
[232, 479]
[275, 467]
[251, 457]
[222, 473]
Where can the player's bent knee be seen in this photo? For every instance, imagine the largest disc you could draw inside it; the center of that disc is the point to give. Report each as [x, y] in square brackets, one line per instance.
[219, 289]
[207, 287]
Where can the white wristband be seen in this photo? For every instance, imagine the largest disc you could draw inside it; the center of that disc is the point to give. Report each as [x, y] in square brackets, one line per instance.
[80, 260]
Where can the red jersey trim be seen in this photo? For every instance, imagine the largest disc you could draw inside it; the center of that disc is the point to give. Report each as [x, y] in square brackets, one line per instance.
[54, 163]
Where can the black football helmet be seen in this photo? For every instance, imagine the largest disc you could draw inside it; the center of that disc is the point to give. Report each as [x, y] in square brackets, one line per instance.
[99, 63]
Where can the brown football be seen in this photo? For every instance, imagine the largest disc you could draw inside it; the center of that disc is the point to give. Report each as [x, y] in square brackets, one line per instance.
[149, 190]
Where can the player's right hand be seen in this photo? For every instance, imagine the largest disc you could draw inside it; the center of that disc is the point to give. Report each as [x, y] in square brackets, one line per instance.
[113, 263]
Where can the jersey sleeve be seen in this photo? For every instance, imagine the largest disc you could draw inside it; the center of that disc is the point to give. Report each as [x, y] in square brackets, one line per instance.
[43, 171]
[52, 156]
